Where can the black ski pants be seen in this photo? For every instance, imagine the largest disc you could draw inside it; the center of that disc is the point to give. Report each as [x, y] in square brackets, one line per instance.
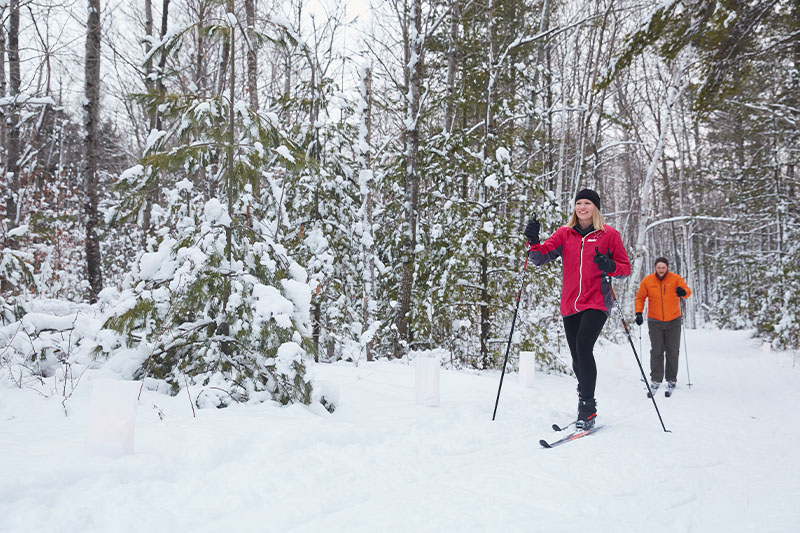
[582, 330]
[665, 340]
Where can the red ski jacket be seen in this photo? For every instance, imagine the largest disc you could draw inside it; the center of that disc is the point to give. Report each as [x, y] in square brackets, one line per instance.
[582, 281]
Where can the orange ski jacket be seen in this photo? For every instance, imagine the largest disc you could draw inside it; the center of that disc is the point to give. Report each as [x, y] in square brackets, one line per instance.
[664, 302]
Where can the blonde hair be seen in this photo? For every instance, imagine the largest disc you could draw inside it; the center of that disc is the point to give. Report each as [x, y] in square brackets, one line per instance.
[597, 219]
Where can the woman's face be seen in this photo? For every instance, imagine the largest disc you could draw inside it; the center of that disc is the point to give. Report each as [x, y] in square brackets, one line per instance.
[584, 210]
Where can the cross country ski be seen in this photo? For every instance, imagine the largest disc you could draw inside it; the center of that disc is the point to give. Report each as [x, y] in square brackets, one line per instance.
[571, 437]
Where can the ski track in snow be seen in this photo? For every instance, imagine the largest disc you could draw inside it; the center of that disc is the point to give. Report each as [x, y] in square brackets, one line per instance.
[382, 462]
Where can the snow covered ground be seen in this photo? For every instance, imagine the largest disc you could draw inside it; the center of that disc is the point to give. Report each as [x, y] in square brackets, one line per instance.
[382, 462]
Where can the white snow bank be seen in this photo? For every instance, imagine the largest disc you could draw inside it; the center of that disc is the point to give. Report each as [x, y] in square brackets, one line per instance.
[381, 462]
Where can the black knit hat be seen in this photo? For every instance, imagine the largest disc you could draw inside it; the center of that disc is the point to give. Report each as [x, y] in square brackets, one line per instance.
[589, 194]
[661, 260]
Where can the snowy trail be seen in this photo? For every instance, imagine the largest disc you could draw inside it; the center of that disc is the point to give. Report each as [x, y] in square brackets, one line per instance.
[383, 463]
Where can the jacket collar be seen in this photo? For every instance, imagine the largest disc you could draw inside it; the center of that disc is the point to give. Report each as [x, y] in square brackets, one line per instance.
[583, 232]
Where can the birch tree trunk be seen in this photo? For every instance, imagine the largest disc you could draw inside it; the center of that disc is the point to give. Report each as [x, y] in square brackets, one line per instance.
[590, 175]
[91, 150]
[252, 70]
[413, 60]
[366, 181]
[682, 137]
[561, 165]
[673, 93]
[537, 86]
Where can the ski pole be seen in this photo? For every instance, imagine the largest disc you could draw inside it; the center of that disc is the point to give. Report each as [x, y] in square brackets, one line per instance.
[685, 349]
[628, 333]
[640, 337]
[510, 335]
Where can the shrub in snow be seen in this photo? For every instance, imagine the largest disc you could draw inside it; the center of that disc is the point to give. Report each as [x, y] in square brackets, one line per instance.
[777, 318]
[328, 207]
[216, 301]
[50, 345]
[222, 304]
[16, 275]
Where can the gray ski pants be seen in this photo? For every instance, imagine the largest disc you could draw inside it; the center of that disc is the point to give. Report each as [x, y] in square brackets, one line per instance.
[665, 339]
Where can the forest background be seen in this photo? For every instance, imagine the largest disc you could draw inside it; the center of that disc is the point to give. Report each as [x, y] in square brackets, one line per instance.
[208, 193]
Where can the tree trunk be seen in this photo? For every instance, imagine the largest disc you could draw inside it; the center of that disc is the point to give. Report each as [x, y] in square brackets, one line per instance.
[3, 90]
[483, 307]
[367, 183]
[91, 147]
[252, 73]
[314, 153]
[224, 327]
[452, 65]
[673, 92]
[231, 138]
[544, 24]
[287, 58]
[3, 87]
[12, 148]
[413, 59]
[225, 57]
[252, 64]
[200, 58]
[484, 318]
[153, 87]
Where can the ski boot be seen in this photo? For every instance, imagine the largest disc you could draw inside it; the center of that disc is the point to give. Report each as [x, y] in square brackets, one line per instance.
[670, 388]
[653, 388]
[587, 414]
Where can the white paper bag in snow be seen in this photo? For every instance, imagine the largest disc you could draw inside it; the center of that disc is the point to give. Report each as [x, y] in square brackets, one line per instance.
[427, 380]
[527, 368]
[112, 417]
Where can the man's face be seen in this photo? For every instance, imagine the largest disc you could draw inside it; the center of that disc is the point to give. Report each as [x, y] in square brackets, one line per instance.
[661, 269]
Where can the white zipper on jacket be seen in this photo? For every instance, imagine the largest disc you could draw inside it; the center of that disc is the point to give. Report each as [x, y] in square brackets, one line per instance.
[580, 272]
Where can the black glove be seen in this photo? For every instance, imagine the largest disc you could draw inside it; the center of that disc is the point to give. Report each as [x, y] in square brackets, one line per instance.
[680, 292]
[639, 319]
[604, 262]
[532, 231]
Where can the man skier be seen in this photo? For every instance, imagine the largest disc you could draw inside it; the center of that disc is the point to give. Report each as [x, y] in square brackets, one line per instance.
[663, 289]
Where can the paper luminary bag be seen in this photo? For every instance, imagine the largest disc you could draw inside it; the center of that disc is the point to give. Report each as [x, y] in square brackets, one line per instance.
[527, 368]
[112, 417]
[427, 380]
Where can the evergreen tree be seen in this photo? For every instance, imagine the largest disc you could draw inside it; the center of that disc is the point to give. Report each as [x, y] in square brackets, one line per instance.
[218, 297]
